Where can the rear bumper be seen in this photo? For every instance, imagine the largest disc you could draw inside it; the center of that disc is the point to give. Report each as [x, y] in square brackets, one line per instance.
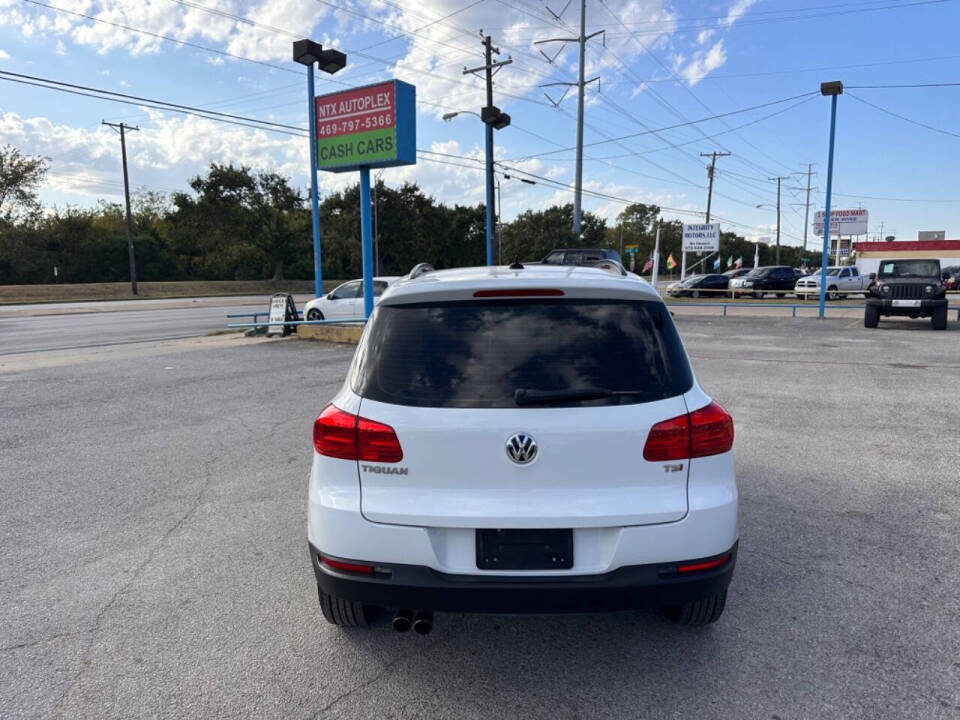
[925, 308]
[627, 588]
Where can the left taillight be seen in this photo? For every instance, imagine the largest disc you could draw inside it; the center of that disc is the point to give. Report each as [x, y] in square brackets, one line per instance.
[339, 434]
[704, 432]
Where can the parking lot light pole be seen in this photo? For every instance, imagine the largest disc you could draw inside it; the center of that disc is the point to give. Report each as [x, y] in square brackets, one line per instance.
[831, 89]
[309, 53]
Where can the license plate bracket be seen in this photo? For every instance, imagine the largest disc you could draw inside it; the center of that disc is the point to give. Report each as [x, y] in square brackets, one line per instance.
[906, 303]
[524, 549]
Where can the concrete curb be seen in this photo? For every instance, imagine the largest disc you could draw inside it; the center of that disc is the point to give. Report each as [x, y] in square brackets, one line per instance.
[348, 334]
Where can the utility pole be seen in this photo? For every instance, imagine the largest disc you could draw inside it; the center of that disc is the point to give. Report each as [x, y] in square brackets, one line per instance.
[126, 195]
[492, 119]
[710, 168]
[581, 41]
[710, 172]
[779, 180]
[806, 214]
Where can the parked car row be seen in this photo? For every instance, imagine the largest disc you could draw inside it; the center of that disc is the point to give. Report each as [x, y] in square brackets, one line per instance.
[345, 302]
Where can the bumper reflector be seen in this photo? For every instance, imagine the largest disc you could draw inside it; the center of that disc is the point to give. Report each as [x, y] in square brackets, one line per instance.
[345, 566]
[706, 565]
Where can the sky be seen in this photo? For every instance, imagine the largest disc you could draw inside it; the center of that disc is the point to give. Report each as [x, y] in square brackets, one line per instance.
[667, 70]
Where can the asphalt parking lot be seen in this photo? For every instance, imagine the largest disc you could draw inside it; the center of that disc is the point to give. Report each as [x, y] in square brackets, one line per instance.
[154, 557]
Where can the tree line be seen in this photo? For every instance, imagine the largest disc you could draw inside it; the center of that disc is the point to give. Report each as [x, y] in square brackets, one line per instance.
[234, 223]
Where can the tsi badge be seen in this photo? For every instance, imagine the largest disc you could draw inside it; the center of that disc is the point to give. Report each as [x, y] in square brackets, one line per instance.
[521, 448]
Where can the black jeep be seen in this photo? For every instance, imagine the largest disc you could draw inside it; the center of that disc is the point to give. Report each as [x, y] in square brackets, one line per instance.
[907, 287]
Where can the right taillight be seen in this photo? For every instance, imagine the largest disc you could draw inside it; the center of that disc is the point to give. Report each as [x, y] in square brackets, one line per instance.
[343, 435]
[707, 431]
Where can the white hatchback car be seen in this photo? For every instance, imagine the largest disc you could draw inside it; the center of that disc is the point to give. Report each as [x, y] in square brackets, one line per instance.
[514, 440]
[345, 302]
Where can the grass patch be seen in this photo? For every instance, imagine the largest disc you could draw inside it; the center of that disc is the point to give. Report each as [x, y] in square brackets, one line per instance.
[17, 294]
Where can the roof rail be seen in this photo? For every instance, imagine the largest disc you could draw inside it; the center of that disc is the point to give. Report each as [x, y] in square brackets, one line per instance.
[419, 269]
[611, 266]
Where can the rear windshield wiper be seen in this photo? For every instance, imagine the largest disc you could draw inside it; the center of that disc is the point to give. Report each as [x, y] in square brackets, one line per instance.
[525, 396]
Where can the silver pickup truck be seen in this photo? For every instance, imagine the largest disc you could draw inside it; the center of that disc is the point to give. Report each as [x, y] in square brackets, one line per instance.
[841, 282]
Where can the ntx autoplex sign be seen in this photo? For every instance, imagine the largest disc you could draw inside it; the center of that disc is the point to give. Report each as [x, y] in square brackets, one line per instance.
[372, 126]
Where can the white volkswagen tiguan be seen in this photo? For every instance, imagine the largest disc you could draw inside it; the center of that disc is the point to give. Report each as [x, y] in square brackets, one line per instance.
[521, 440]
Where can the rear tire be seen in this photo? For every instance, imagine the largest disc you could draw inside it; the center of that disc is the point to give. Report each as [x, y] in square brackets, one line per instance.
[832, 293]
[698, 612]
[781, 295]
[939, 319]
[346, 613]
[695, 294]
[758, 296]
[871, 317]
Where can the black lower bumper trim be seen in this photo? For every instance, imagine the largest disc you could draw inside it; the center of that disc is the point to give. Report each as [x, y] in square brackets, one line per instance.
[926, 308]
[627, 588]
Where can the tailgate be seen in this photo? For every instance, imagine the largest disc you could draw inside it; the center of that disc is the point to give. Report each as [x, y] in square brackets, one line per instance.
[589, 469]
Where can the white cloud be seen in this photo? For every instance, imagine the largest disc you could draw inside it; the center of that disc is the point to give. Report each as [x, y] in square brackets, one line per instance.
[4, 55]
[61, 48]
[703, 63]
[737, 11]
[704, 36]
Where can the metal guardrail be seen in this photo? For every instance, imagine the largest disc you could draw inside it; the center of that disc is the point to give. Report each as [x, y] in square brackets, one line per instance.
[256, 325]
[755, 305]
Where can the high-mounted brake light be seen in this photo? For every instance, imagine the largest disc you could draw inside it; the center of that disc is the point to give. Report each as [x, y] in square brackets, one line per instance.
[519, 292]
[704, 432]
[343, 435]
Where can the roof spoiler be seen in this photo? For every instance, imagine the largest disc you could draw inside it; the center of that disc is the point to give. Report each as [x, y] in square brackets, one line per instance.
[420, 269]
[611, 266]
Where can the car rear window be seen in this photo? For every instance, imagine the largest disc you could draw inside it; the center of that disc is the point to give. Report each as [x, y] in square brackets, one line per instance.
[476, 354]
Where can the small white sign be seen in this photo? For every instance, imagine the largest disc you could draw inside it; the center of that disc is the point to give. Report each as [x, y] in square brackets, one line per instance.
[278, 314]
[701, 238]
[842, 222]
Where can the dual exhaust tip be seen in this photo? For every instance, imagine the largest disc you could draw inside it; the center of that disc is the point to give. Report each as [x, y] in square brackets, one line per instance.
[421, 621]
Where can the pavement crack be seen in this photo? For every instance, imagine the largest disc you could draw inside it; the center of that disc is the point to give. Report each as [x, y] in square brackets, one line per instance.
[96, 627]
[384, 671]
[818, 571]
[41, 641]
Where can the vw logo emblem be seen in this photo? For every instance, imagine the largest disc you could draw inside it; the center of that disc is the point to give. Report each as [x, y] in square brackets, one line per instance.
[521, 448]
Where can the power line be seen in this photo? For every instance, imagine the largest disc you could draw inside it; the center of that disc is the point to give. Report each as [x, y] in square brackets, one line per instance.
[683, 124]
[139, 100]
[797, 71]
[904, 117]
[905, 85]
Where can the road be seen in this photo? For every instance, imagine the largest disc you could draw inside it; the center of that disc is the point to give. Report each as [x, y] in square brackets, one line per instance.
[63, 326]
[154, 559]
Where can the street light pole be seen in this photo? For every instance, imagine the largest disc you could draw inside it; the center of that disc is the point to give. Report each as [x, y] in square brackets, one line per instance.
[306, 52]
[831, 89]
[314, 191]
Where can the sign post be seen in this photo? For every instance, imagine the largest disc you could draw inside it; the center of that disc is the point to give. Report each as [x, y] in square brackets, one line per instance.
[367, 127]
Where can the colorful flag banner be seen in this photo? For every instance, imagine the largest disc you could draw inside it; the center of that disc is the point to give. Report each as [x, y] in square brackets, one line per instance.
[716, 264]
[739, 263]
[648, 265]
[671, 263]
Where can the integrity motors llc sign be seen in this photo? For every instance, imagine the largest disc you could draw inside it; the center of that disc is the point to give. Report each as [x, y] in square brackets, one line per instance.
[372, 126]
[700, 238]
